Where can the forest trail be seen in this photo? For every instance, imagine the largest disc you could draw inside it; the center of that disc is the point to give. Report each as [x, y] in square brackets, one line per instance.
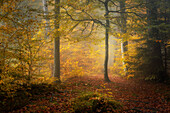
[136, 95]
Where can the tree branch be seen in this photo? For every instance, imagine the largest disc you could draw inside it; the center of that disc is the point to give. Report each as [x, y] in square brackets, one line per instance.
[101, 1]
[82, 20]
[113, 3]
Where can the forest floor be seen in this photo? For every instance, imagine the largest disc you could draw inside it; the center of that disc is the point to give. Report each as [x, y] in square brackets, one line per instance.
[135, 95]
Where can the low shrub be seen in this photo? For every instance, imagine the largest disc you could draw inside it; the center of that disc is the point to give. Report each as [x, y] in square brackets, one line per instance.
[15, 96]
[94, 103]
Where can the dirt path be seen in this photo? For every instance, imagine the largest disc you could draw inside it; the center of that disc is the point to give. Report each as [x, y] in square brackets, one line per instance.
[135, 95]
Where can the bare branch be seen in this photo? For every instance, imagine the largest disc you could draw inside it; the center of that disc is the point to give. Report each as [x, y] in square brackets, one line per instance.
[90, 31]
[85, 28]
[126, 12]
[74, 27]
[101, 1]
[82, 20]
[113, 3]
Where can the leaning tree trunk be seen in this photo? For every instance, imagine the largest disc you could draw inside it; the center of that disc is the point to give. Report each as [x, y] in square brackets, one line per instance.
[106, 78]
[57, 42]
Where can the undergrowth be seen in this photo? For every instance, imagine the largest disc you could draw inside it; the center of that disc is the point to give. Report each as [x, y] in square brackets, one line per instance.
[12, 99]
[91, 102]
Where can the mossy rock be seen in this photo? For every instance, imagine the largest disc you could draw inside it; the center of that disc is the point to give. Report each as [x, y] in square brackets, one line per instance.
[94, 103]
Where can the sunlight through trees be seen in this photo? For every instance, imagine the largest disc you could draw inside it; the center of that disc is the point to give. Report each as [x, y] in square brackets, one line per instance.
[45, 43]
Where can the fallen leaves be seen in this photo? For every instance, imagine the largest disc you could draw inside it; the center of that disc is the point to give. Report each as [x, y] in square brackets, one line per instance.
[134, 94]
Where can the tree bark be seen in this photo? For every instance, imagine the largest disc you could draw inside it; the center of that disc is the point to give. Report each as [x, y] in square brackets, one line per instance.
[106, 78]
[47, 28]
[154, 47]
[57, 42]
[124, 44]
[47, 21]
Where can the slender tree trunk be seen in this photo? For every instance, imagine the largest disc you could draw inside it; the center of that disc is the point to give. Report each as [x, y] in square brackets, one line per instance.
[124, 45]
[3, 57]
[106, 78]
[1, 60]
[47, 21]
[30, 62]
[57, 42]
[47, 29]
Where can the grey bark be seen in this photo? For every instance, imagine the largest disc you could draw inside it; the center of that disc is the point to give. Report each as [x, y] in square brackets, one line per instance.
[56, 72]
[123, 30]
[106, 78]
[47, 27]
[47, 21]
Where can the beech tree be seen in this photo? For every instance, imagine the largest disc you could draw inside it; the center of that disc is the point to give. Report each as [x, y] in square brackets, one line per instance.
[105, 24]
[107, 27]
[17, 42]
[123, 30]
[106, 20]
[57, 41]
[47, 20]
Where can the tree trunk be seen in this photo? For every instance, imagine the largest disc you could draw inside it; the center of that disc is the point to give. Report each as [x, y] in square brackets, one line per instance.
[124, 45]
[154, 47]
[47, 21]
[3, 57]
[106, 78]
[47, 28]
[57, 42]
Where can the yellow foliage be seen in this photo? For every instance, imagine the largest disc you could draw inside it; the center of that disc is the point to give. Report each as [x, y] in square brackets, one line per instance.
[130, 76]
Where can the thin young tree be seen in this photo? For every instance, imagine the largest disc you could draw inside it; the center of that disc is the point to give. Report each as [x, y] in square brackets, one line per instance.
[47, 21]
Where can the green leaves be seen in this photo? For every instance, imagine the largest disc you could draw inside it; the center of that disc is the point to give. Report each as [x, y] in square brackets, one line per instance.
[93, 102]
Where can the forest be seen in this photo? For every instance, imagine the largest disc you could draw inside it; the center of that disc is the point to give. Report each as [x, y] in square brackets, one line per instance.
[84, 56]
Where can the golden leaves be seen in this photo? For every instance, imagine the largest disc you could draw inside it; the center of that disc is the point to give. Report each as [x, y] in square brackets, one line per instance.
[158, 41]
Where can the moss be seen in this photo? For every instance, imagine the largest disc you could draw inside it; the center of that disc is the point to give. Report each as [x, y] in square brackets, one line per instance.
[91, 102]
